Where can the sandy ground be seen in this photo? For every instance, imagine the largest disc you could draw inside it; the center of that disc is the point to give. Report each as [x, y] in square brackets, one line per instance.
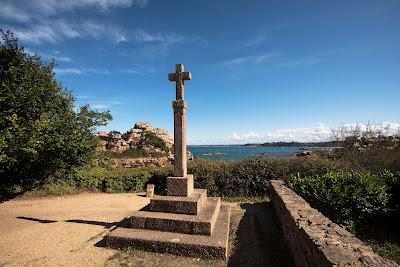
[69, 231]
[61, 231]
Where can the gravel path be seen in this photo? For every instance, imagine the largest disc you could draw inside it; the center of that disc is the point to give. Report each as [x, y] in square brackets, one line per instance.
[61, 231]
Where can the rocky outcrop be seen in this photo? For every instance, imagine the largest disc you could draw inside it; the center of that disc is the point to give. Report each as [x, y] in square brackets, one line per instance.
[117, 163]
[137, 137]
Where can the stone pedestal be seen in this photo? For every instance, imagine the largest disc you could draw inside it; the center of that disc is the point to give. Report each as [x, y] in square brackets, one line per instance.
[193, 225]
[184, 221]
[180, 186]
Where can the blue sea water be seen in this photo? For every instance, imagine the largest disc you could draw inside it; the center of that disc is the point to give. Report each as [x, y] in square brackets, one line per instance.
[239, 152]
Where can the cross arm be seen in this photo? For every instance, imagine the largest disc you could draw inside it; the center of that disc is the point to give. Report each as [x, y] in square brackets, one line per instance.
[174, 76]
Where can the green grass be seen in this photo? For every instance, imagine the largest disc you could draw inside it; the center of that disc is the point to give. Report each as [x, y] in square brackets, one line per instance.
[387, 249]
[245, 199]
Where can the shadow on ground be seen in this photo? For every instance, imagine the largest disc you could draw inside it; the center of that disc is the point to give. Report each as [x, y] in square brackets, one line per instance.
[257, 240]
[35, 219]
[106, 225]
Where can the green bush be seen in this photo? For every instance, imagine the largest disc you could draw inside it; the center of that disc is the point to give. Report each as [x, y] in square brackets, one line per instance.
[120, 180]
[346, 197]
[249, 177]
[41, 132]
[152, 139]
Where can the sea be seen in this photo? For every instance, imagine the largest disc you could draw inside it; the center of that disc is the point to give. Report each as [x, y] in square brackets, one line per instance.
[240, 152]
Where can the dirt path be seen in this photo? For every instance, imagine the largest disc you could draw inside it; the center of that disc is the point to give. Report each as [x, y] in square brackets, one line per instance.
[61, 231]
[69, 231]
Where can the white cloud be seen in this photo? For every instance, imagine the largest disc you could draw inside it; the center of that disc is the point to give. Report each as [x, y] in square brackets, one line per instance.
[318, 133]
[36, 34]
[48, 56]
[39, 20]
[100, 31]
[104, 104]
[142, 36]
[256, 41]
[302, 62]
[54, 31]
[62, 59]
[265, 57]
[99, 106]
[305, 134]
[29, 52]
[138, 70]
[24, 11]
[248, 59]
[79, 71]
[9, 11]
[386, 128]
[102, 4]
[141, 3]
[68, 71]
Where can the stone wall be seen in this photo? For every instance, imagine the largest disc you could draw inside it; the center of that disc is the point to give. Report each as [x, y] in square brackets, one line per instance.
[314, 240]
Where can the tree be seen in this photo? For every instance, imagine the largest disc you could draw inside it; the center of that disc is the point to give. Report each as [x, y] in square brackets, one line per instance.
[42, 134]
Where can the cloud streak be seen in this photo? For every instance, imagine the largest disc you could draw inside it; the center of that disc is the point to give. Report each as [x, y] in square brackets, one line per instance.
[80, 71]
[256, 41]
[138, 70]
[302, 62]
[25, 11]
[39, 21]
[247, 59]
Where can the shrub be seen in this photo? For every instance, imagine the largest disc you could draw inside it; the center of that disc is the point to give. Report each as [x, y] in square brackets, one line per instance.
[213, 175]
[152, 139]
[41, 133]
[346, 196]
[120, 180]
[249, 177]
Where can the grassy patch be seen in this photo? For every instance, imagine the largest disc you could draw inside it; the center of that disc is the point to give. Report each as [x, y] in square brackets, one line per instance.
[386, 249]
[245, 199]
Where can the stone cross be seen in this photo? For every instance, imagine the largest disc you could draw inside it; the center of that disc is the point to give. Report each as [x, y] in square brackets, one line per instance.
[180, 106]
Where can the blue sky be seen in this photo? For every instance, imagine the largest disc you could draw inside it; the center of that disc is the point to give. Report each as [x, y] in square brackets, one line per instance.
[261, 70]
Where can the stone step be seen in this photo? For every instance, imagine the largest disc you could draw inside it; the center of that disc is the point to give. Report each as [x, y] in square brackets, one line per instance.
[214, 246]
[200, 224]
[182, 205]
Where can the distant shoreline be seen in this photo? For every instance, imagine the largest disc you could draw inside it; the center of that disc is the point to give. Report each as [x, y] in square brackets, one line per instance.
[329, 144]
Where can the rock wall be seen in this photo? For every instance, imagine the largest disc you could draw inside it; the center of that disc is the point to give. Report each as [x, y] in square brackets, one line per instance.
[314, 240]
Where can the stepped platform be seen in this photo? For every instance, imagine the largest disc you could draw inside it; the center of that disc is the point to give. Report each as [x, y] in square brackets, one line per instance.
[204, 246]
[177, 204]
[202, 223]
[183, 222]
